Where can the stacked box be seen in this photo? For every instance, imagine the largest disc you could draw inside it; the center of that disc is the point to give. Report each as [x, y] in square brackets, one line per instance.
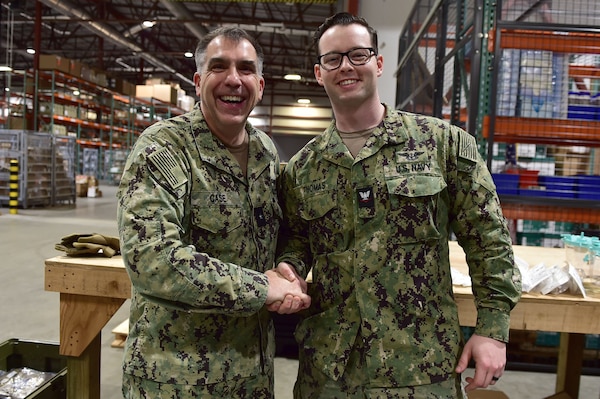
[54, 62]
[163, 92]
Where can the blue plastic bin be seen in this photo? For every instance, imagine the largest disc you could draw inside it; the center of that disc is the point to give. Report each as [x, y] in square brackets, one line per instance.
[588, 187]
[506, 183]
[559, 186]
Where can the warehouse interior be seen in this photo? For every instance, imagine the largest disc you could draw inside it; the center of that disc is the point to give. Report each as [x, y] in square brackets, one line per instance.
[83, 79]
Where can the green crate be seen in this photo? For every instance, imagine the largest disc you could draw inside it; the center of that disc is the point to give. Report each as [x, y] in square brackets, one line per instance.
[592, 341]
[534, 226]
[530, 239]
[545, 338]
[564, 227]
[40, 356]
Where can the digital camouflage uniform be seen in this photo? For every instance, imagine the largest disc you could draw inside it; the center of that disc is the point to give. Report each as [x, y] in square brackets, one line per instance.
[375, 232]
[196, 238]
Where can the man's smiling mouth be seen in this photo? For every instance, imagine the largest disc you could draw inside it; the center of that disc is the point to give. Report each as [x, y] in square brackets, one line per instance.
[231, 99]
[348, 82]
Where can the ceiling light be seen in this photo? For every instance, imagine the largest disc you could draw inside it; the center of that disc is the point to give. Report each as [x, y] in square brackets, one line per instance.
[188, 54]
[148, 24]
[303, 101]
[30, 51]
[292, 76]
[274, 25]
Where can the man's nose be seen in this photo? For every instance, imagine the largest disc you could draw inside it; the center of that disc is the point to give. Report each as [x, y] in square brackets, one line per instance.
[233, 76]
[345, 62]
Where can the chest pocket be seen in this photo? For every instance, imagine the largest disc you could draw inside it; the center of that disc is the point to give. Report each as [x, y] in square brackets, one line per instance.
[414, 206]
[216, 213]
[320, 210]
[315, 206]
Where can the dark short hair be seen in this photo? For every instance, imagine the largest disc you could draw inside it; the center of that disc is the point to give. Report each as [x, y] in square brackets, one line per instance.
[232, 33]
[343, 18]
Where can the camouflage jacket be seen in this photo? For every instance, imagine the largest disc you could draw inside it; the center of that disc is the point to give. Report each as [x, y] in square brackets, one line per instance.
[375, 229]
[196, 237]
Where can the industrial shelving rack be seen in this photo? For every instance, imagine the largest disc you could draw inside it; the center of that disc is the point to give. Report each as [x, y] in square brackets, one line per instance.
[46, 168]
[103, 122]
[455, 60]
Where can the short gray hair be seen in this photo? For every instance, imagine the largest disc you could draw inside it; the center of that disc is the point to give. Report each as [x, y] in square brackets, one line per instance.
[233, 33]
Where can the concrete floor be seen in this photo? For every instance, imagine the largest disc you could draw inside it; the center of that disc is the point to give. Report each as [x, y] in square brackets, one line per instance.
[30, 313]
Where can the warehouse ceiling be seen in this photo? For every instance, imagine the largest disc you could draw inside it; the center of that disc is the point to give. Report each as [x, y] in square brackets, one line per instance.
[109, 35]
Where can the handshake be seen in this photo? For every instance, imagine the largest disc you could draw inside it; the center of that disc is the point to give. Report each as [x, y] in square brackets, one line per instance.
[287, 290]
[89, 244]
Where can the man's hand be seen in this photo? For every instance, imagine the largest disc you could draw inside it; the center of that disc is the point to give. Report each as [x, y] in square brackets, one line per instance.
[287, 290]
[490, 359]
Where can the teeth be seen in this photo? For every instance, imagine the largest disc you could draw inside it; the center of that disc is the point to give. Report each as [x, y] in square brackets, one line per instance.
[347, 82]
[231, 98]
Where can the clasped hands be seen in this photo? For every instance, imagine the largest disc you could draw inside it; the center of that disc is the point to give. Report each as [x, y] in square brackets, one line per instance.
[287, 290]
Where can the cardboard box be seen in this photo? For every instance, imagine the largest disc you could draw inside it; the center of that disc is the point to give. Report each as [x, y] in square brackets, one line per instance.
[486, 394]
[92, 192]
[154, 81]
[75, 68]
[596, 165]
[144, 91]
[81, 189]
[129, 88]
[54, 62]
[86, 73]
[101, 78]
[18, 123]
[571, 162]
[186, 103]
[165, 93]
[81, 185]
[124, 87]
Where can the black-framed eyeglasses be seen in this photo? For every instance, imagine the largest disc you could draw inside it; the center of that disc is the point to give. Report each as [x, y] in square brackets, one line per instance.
[358, 56]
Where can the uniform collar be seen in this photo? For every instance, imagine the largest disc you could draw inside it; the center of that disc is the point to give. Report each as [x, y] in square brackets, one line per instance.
[391, 131]
[214, 152]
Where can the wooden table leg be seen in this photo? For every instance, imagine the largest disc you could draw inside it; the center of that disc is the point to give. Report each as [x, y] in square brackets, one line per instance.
[83, 372]
[81, 321]
[570, 359]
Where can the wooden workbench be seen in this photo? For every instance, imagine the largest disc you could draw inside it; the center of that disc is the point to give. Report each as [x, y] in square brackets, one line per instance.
[93, 289]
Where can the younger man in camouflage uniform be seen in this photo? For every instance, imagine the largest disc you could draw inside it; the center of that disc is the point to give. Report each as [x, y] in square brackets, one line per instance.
[198, 221]
[369, 206]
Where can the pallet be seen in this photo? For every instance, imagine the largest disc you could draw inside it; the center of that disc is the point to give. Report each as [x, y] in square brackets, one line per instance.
[120, 333]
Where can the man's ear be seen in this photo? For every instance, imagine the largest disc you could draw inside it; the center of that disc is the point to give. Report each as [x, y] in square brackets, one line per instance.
[379, 59]
[317, 71]
[197, 78]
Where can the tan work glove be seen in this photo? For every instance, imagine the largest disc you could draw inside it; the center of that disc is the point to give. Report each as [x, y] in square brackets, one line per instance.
[89, 244]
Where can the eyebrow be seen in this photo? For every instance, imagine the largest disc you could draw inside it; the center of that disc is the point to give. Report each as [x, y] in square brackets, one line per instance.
[220, 60]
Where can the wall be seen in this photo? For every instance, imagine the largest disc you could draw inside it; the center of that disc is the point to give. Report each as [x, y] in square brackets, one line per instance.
[388, 18]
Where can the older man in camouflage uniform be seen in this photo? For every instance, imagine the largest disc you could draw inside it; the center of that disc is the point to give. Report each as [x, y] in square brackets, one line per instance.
[198, 221]
[369, 206]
